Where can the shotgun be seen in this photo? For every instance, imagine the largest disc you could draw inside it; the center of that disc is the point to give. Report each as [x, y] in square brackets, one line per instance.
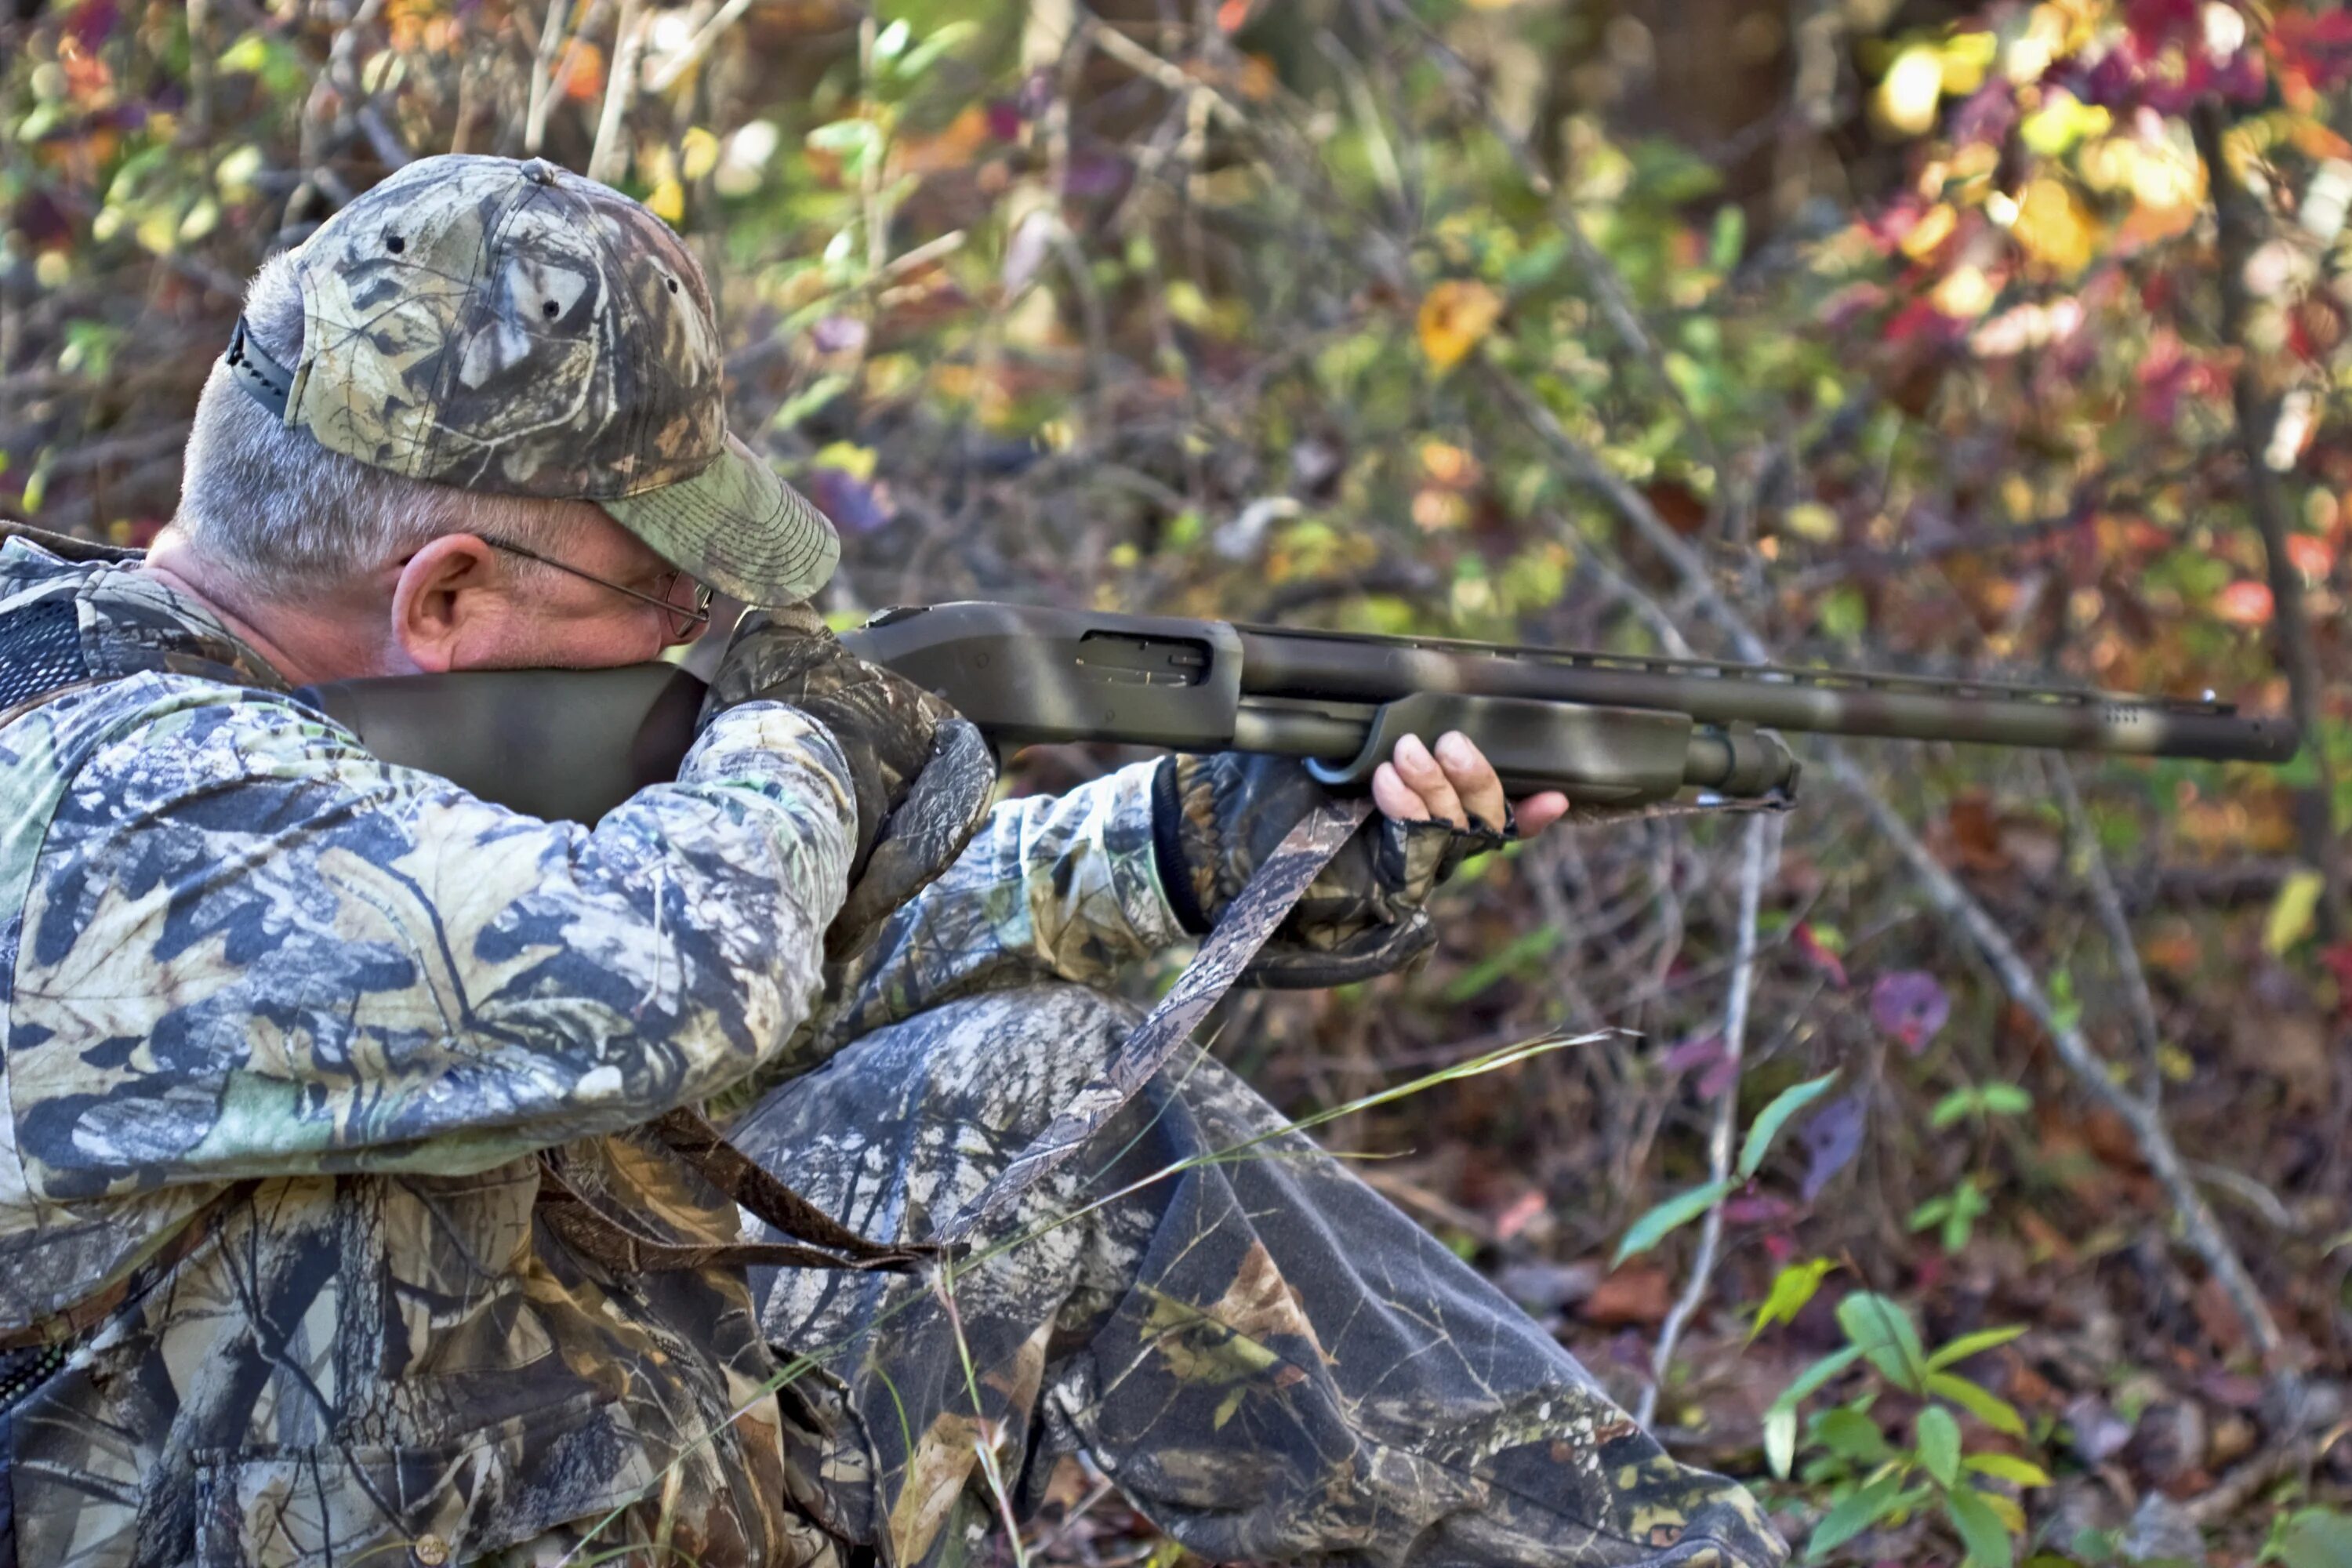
[1607, 729]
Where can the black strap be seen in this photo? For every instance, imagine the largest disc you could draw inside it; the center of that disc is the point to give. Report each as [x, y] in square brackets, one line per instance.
[265, 381]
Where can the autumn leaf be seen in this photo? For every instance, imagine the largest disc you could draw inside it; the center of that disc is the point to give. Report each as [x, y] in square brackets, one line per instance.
[2245, 602]
[1454, 315]
[583, 73]
[2056, 231]
[2294, 912]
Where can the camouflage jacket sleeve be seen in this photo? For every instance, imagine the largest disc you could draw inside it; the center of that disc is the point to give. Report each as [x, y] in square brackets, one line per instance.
[249, 948]
[1052, 888]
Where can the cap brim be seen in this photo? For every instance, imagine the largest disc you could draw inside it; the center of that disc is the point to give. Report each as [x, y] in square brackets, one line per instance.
[738, 527]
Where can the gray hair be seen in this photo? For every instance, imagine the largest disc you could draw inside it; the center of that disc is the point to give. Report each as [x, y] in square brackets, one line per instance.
[290, 515]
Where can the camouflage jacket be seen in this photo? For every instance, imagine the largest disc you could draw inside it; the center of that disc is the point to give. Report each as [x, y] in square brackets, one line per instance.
[284, 1027]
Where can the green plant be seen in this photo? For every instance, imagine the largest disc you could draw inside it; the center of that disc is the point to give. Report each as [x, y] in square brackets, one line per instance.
[1665, 1218]
[1956, 1211]
[1871, 1478]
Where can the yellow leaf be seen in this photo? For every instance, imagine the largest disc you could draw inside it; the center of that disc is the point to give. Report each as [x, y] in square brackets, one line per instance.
[700, 154]
[1812, 521]
[2061, 121]
[1965, 293]
[1964, 59]
[848, 457]
[2005, 1509]
[1906, 98]
[159, 231]
[668, 202]
[2053, 227]
[2293, 912]
[1934, 227]
[1454, 315]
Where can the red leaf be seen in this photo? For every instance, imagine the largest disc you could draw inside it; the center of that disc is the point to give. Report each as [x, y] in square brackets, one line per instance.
[2309, 555]
[2315, 46]
[2154, 22]
[2245, 602]
[1820, 957]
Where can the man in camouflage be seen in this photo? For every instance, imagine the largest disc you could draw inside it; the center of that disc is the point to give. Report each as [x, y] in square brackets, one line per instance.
[352, 1206]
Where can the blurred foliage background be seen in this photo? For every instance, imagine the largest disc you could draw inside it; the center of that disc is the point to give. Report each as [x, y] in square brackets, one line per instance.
[1905, 333]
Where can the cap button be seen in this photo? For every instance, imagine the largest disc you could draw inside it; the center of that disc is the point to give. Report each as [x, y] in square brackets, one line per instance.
[538, 171]
[430, 1549]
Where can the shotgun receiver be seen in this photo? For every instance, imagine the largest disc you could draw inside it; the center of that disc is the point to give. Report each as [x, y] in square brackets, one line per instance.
[1606, 730]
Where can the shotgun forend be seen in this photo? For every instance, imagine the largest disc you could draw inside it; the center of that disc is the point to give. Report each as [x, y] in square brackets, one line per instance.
[1608, 731]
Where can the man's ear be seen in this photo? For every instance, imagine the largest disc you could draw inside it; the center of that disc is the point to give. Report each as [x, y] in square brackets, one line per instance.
[449, 595]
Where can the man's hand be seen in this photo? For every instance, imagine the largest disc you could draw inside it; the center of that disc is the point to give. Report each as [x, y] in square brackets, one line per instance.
[921, 773]
[1453, 785]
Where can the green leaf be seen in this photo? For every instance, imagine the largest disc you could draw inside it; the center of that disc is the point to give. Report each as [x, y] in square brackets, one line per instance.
[1881, 1328]
[927, 54]
[1951, 1108]
[2009, 1468]
[1519, 956]
[1775, 1116]
[1810, 1380]
[844, 136]
[1791, 1288]
[808, 400]
[1995, 1412]
[1981, 1529]
[1862, 1508]
[1780, 1438]
[1730, 234]
[1977, 1343]
[1938, 1437]
[1851, 1435]
[1653, 1227]
[2316, 1538]
[2004, 1099]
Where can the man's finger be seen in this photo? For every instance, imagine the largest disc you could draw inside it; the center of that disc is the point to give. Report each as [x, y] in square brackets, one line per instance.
[1473, 777]
[1539, 811]
[1420, 770]
[1395, 797]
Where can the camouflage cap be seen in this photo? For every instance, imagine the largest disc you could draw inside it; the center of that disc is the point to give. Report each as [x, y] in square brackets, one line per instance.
[504, 325]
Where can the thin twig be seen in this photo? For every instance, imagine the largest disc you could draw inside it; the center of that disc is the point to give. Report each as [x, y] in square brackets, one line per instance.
[606, 160]
[2109, 904]
[1144, 63]
[678, 64]
[543, 73]
[1727, 1118]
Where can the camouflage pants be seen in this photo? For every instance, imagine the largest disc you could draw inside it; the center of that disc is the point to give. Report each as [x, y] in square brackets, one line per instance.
[1268, 1359]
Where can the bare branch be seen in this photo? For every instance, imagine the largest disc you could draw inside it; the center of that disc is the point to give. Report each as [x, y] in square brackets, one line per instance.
[1721, 1138]
[607, 160]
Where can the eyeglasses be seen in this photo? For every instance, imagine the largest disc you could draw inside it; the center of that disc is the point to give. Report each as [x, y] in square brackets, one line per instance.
[684, 618]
